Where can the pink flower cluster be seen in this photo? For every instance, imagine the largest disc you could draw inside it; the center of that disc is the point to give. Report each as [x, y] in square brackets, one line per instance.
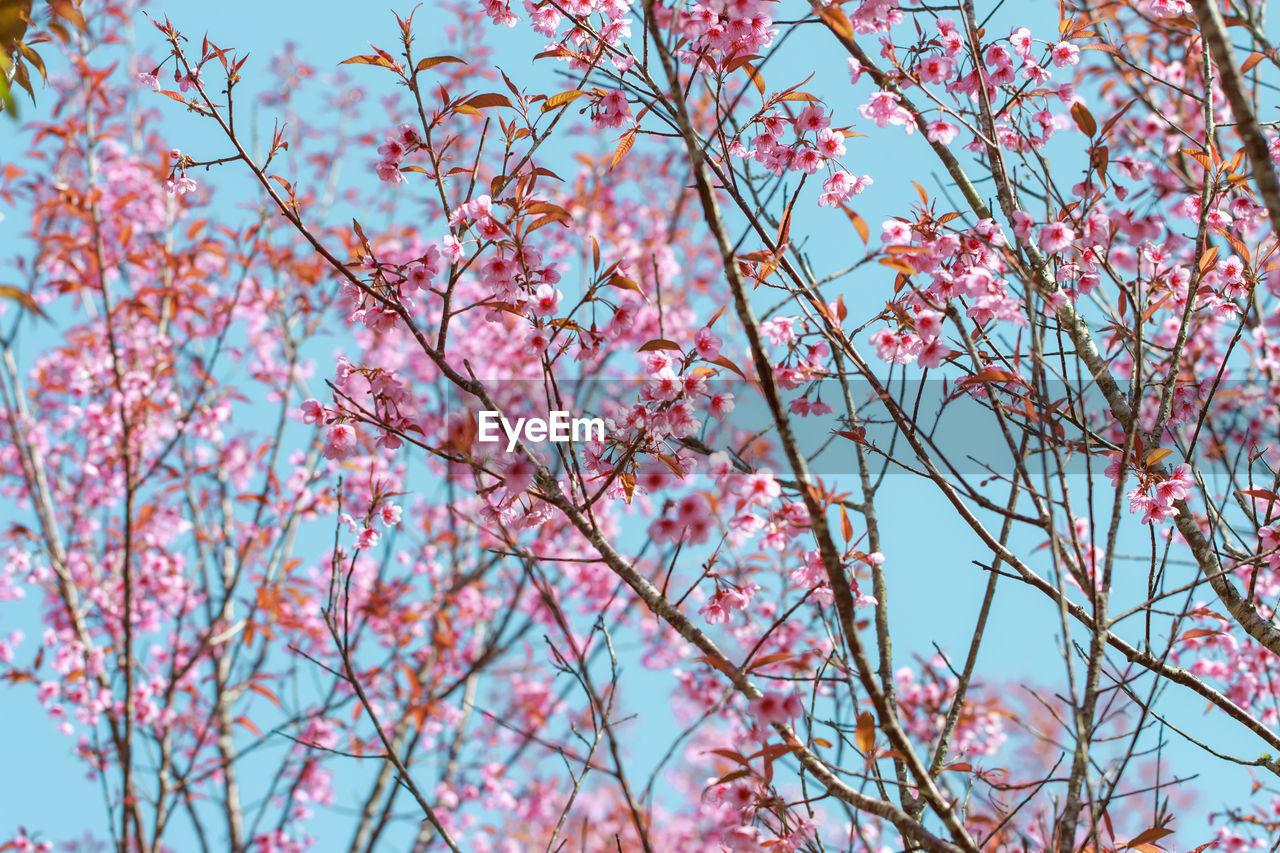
[772, 707]
[523, 281]
[813, 575]
[1154, 495]
[964, 265]
[923, 345]
[923, 699]
[726, 601]
[724, 28]
[815, 144]
[393, 150]
[611, 109]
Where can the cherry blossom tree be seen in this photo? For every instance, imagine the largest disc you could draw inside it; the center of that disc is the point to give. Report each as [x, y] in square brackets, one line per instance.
[292, 596]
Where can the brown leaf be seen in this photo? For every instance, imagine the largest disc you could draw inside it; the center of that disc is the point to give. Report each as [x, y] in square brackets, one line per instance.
[490, 99]
[797, 96]
[1199, 156]
[624, 283]
[1208, 259]
[730, 777]
[989, 374]
[726, 363]
[835, 18]
[865, 734]
[367, 59]
[859, 224]
[1155, 833]
[1084, 119]
[561, 99]
[661, 343]
[1261, 494]
[767, 660]
[1204, 847]
[433, 61]
[17, 294]
[624, 145]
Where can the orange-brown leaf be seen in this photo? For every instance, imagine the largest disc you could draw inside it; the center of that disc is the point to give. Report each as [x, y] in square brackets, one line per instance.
[859, 224]
[726, 363]
[624, 145]
[17, 294]
[559, 100]
[1084, 119]
[433, 61]
[366, 59]
[835, 18]
[865, 735]
[1155, 833]
[661, 343]
[489, 99]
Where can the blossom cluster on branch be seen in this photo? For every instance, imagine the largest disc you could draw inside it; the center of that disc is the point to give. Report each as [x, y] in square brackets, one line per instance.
[285, 584]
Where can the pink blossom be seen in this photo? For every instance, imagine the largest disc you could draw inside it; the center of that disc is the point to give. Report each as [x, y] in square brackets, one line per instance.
[612, 110]
[1023, 223]
[776, 708]
[1177, 487]
[812, 119]
[1021, 40]
[928, 324]
[340, 442]
[180, 186]
[936, 68]
[312, 412]
[760, 488]
[933, 354]
[840, 186]
[895, 232]
[368, 538]
[546, 300]
[941, 132]
[518, 474]
[807, 160]
[1065, 53]
[389, 513]
[997, 58]
[389, 172]
[779, 330]
[707, 344]
[830, 143]
[392, 151]
[720, 404]
[1056, 236]
[895, 347]
[884, 110]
